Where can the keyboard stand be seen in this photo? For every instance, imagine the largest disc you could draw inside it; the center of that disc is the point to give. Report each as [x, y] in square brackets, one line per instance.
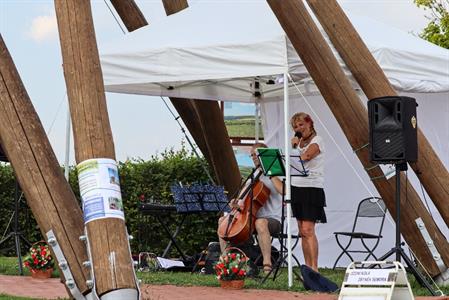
[163, 212]
[173, 241]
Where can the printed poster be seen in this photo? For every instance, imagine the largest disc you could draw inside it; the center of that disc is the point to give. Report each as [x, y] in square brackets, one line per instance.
[100, 189]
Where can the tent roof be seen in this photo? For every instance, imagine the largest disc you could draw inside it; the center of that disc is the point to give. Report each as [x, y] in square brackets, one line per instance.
[229, 50]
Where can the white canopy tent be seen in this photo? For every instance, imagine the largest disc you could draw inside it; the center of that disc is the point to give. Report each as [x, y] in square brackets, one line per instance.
[225, 51]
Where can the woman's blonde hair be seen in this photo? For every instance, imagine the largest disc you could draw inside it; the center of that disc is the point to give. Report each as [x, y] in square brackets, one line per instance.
[302, 116]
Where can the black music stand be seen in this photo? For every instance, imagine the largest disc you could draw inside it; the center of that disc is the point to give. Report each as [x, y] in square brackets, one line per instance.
[272, 158]
[16, 234]
[193, 199]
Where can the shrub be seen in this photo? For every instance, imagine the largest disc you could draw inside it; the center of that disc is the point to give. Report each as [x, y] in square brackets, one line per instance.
[139, 179]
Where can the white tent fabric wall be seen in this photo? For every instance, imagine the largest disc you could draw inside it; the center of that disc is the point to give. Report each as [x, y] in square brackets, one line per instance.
[346, 183]
[198, 53]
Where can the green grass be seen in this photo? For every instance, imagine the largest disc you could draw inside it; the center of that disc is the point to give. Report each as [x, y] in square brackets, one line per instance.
[242, 126]
[7, 297]
[8, 266]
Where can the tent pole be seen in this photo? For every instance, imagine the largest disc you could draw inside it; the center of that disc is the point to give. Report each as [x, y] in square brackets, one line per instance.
[67, 145]
[256, 122]
[287, 182]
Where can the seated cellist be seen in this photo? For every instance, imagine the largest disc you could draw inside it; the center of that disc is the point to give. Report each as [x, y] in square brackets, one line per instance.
[268, 218]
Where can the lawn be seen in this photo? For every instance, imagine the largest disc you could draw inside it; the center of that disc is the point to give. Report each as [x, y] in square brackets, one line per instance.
[242, 126]
[8, 266]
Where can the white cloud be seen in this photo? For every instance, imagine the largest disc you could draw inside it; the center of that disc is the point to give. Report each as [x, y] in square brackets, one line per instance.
[43, 28]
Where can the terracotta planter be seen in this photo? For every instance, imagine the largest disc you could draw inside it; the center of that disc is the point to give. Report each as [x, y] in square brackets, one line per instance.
[232, 284]
[41, 274]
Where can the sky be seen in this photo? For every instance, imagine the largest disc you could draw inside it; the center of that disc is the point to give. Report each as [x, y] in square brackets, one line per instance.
[142, 125]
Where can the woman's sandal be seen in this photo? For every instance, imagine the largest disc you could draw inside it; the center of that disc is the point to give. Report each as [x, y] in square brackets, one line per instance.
[267, 268]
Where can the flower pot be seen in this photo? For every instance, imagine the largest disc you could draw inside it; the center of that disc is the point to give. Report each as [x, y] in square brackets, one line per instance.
[41, 274]
[232, 284]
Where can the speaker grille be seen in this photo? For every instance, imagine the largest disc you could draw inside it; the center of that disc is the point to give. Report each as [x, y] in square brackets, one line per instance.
[388, 146]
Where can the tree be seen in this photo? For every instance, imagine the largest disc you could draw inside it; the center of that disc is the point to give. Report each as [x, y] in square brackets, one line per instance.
[437, 31]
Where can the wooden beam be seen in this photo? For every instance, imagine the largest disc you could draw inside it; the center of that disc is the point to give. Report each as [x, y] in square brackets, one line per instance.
[429, 168]
[348, 110]
[111, 257]
[174, 6]
[130, 14]
[187, 112]
[27, 147]
[216, 135]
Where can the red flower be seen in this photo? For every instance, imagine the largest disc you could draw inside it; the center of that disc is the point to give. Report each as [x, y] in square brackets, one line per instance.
[234, 270]
[242, 273]
[233, 255]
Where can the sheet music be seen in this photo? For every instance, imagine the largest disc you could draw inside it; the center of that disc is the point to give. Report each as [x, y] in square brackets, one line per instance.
[168, 263]
[297, 167]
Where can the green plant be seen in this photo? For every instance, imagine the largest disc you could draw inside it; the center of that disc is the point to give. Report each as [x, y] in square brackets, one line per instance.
[39, 258]
[232, 265]
[437, 31]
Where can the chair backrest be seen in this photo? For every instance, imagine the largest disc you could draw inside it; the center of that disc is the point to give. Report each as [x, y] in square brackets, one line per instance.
[372, 207]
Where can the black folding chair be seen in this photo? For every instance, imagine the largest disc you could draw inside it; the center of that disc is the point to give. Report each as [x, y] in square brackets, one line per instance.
[372, 208]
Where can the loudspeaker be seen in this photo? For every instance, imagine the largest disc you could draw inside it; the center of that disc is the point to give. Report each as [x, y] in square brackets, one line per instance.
[393, 129]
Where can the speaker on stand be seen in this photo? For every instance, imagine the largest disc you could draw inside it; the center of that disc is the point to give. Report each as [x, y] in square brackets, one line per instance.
[393, 129]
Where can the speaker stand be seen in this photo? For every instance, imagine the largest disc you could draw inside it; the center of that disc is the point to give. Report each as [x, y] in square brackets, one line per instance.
[397, 249]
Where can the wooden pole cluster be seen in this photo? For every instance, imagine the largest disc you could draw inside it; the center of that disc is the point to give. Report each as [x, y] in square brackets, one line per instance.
[348, 110]
[109, 246]
[130, 13]
[174, 6]
[204, 120]
[430, 170]
[48, 194]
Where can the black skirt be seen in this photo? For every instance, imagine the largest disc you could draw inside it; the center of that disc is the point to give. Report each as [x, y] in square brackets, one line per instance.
[308, 204]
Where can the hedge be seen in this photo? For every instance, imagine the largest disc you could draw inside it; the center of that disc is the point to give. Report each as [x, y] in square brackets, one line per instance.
[139, 179]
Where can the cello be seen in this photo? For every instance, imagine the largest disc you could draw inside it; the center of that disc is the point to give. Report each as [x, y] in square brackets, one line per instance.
[238, 225]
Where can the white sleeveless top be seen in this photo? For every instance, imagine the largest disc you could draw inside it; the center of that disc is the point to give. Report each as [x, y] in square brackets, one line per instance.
[315, 166]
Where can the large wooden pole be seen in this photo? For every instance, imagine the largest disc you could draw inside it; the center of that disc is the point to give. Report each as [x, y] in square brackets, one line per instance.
[174, 6]
[130, 14]
[353, 119]
[187, 112]
[216, 135]
[429, 168]
[108, 239]
[48, 194]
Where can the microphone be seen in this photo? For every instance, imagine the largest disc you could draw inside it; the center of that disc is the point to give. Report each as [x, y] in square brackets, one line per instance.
[298, 135]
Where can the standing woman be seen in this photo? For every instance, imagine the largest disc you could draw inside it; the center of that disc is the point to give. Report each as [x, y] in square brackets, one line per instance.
[307, 193]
